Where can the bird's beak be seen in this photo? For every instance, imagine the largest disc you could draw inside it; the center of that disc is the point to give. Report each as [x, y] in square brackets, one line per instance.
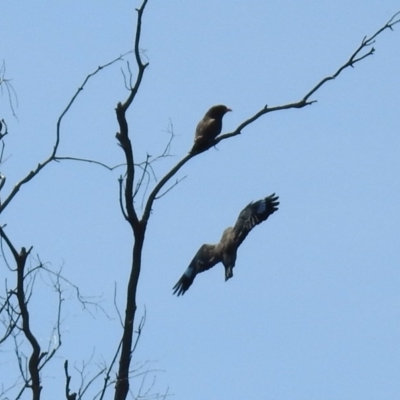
[228, 109]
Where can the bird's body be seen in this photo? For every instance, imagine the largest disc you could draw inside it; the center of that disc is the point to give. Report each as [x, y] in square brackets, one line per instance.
[209, 128]
[226, 250]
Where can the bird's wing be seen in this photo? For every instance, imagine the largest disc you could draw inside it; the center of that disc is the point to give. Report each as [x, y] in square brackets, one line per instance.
[205, 258]
[203, 137]
[205, 128]
[252, 215]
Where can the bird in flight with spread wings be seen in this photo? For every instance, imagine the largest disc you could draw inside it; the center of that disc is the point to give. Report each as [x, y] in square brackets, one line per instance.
[209, 128]
[226, 250]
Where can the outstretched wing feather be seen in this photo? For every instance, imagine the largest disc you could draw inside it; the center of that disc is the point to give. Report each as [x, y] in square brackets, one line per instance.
[253, 214]
[205, 258]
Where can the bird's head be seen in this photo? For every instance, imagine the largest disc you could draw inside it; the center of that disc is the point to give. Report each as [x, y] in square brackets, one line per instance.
[218, 111]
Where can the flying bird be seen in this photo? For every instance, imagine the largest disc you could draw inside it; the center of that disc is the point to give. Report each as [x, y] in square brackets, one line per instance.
[226, 250]
[209, 128]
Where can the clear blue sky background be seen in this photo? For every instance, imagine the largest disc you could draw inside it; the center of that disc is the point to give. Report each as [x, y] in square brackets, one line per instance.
[313, 310]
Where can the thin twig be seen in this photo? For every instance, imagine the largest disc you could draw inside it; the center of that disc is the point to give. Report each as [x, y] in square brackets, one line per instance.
[108, 374]
[160, 184]
[122, 382]
[121, 190]
[170, 188]
[89, 161]
[11, 93]
[139, 329]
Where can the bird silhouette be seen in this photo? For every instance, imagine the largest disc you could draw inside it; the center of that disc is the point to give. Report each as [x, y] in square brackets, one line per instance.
[226, 250]
[209, 128]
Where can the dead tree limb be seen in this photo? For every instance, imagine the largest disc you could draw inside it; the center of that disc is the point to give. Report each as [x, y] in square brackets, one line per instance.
[138, 227]
[52, 156]
[36, 355]
[356, 57]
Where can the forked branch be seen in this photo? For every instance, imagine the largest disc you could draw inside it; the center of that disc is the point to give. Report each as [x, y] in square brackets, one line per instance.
[138, 228]
[52, 156]
[11, 93]
[123, 134]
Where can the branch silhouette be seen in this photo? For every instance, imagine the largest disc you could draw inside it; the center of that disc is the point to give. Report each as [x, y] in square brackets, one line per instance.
[52, 156]
[354, 58]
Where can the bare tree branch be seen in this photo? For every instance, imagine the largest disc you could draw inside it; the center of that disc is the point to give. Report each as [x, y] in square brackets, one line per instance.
[148, 167]
[52, 156]
[116, 306]
[177, 181]
[11, 93]
[121, 190]
[89, 161]
[10, 322]
[68, 395]
[30, 369]
[83, 390]
[122, 384]
[36, 355]
[354, 58]
[147, 164]
[161, 183]
[56, 334]
[107, 378]
[3, 132]
[139, 330]
[123, 135]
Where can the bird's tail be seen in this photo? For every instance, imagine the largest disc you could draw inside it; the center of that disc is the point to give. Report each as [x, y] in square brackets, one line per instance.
[228, 273]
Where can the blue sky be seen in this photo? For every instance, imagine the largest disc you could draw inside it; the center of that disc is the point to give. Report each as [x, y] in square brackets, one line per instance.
[313, 309]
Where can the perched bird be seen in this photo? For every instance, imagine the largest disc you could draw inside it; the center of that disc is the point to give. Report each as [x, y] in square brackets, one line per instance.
[209, 128]
[226, 250]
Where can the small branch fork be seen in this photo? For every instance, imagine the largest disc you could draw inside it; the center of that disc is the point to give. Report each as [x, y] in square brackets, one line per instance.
[123, 134]
[36, 355]
[129, 212]
[18, 316]
[11, 93]
[20, 320]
